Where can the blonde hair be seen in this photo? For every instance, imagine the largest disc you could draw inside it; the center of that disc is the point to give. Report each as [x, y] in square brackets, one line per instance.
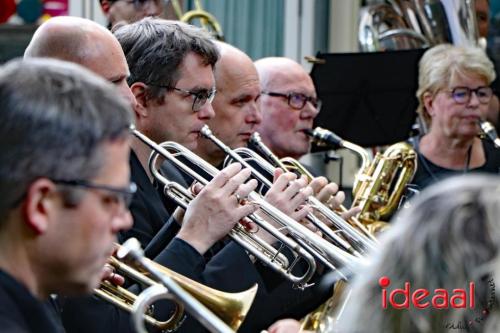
[441, 64]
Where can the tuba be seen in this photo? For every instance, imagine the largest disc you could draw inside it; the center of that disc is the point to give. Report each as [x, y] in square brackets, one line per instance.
[408, 24]
[228, 308]
[207, 20]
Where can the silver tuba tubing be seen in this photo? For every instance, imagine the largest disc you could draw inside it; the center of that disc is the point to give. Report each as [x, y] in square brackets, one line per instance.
[252, 243]
[364, 243]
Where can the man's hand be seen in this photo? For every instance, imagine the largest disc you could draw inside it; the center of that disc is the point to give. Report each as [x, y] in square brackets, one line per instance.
[285, 326]
[289, 194]
[217, 208]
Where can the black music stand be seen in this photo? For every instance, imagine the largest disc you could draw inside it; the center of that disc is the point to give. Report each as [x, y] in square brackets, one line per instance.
[368, 98]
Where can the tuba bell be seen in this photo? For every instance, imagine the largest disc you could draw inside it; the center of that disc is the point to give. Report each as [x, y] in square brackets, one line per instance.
[409, 24]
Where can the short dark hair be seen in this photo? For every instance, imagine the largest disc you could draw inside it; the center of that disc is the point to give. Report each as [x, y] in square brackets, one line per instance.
[155, 49]
[55, 116]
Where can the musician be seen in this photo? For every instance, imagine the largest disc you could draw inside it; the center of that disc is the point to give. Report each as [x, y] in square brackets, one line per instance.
[237, 115]
[95, 47]
[454, 95]
[289, 105]
[130, 10]
[64, 183]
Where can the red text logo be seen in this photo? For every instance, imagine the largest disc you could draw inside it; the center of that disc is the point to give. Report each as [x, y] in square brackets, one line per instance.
[419, 298]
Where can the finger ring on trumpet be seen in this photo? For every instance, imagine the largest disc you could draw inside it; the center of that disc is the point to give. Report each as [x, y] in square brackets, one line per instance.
[238, 198]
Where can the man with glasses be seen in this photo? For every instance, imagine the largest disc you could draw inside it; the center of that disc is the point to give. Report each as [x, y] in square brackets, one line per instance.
[64, 184]
[289, 105]
[454, 95]
[209, 217]
[130, 11]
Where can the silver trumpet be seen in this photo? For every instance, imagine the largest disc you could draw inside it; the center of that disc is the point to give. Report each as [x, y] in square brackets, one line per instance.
[167, 288]
[326, 252]
[263, 251]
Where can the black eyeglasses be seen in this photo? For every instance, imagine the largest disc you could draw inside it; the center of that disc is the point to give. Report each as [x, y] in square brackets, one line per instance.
[462, 95]
[122, 195]
[201, 97]
[296, 101]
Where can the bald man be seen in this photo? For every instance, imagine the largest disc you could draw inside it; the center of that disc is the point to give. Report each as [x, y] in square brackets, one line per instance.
[289, 105]
[87, 43]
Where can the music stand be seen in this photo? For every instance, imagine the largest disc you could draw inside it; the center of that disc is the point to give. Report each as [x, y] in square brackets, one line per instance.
[368, 98]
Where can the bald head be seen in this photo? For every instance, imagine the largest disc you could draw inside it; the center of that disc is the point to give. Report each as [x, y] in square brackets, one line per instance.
[84, 42]
[285, 84]
[236, 105]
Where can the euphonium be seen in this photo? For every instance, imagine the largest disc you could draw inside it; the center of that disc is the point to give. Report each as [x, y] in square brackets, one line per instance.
[208, 21]
[384, 183]
[271, 256]
[379, 185]
[229, 307]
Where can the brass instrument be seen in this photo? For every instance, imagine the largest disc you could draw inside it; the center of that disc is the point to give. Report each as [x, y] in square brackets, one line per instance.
[383, 184]
[291, 164]
[212, 308]
[231, 308]
[379, 185]
[207, 20]
[490, 132]
[408, 24]
[329, 254]
[271, 256]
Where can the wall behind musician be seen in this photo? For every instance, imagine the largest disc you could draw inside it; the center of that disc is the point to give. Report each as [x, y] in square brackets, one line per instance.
[454, 95]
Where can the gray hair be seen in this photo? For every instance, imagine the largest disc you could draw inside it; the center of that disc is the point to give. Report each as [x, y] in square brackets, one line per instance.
[55, 115]
[441, 64]
[449, 237]
[155, 49]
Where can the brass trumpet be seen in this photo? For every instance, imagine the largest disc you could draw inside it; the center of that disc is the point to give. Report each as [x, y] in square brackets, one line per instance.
[271, 256]
[231, 308]
[326, 252]
[291, 164]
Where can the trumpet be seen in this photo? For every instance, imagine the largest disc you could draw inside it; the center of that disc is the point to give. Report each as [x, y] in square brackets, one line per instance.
[229, 308]
[324, 251]
[291, 164]
[271, 256]
[362, 242]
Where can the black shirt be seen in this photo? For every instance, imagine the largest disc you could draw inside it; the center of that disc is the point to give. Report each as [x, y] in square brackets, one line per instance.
[428, 173]
[20, 311]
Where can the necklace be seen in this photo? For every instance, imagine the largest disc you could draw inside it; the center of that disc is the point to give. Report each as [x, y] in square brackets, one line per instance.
[428, 169]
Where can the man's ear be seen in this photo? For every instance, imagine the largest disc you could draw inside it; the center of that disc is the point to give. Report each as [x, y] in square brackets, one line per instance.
[105, 5]
[39, 205]
[139, 91]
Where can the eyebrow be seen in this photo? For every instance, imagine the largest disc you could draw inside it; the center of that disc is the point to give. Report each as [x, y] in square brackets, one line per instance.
[118, 77]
